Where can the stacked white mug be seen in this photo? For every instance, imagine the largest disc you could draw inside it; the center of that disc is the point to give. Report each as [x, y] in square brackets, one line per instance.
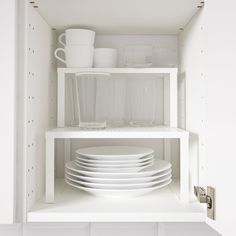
[78, 48]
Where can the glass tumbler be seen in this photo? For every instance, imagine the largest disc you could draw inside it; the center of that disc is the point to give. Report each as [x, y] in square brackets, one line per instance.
[116, 102]
[143, 101]
[90, 91]
[138, 55]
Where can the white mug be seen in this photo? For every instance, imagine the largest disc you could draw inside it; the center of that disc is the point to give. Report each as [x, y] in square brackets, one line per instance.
[76, 56]
[105, 57]
[77, 36]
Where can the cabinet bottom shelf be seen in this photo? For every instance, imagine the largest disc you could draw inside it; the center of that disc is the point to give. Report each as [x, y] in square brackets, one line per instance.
[73, 205]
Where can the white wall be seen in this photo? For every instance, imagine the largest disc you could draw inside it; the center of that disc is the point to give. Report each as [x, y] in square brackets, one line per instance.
[8, 108]
[105, 229]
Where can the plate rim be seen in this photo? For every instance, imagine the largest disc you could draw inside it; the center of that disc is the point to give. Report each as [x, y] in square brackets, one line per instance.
[113, 156]
[119, 190]
[152, 172]
[139, 164]
[168, 171]
[140, 160]
[114, 170]
[167, 177]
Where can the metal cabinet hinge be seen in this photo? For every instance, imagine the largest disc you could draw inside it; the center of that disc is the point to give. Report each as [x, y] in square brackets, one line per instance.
[208, 198]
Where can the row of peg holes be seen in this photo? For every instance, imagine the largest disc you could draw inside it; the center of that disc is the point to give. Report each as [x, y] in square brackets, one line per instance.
[32, 191]
[31, 50]
[31, 26]
[31, 97]
[31, 145]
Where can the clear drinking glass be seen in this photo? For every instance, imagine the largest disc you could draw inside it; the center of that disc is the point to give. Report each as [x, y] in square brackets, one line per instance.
[143, 101]
[90, 93]
[138, 55]
[116, 102]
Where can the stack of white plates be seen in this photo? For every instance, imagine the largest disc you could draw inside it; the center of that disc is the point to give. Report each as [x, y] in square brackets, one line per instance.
[117, 171]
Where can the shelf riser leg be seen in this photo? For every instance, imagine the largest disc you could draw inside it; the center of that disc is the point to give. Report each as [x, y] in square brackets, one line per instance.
[50, 151]
[184, 169]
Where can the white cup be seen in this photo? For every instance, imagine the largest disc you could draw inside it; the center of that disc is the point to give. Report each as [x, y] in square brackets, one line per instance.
[105, 57]
[77, 36]
[76, 56]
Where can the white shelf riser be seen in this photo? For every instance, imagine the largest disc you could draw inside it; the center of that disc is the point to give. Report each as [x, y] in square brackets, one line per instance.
[154, 132]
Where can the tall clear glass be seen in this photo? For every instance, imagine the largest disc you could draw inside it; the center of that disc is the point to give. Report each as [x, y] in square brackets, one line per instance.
[116, 102]
[90, 93]
[143, 101]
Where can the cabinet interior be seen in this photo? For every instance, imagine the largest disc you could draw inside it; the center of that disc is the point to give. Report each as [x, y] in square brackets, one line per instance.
[44, 22]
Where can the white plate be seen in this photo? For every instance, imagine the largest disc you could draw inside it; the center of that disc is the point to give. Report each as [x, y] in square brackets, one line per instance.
[115, 152]
[118, 186]
[93, 161]
[113, 170]
[159, 166]
[118, 181]
[119, 193]
[139, 164]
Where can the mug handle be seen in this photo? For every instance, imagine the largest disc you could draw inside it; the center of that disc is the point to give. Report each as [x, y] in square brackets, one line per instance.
[60, 39]
[55, 53]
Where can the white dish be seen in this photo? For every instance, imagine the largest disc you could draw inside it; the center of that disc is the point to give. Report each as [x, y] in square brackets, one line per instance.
[117, 180]
[139, 164]
[117, 186]
[119, 193]
[159, 166]
[115, 152]
[94, 161]
[114, 169]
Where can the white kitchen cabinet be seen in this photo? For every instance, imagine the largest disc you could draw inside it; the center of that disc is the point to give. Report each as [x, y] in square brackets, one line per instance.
[197, 39]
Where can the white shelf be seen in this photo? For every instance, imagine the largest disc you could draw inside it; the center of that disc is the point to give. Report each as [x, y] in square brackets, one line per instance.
[121, 70]
[124, 132]
[73, 205]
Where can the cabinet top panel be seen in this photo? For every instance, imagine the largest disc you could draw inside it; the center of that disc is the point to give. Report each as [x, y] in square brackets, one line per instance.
[119, 17]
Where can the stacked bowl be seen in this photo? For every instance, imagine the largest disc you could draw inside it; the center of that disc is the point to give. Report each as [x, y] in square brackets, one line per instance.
[117, 171]
[78, 48]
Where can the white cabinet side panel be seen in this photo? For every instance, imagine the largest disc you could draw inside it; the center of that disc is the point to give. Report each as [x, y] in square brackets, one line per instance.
[7, 103]
[220, 38]
[191, 50]
[41, 84]
[208, 55]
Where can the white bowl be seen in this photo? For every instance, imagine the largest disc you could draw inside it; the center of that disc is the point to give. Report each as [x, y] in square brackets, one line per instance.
[105, 58]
